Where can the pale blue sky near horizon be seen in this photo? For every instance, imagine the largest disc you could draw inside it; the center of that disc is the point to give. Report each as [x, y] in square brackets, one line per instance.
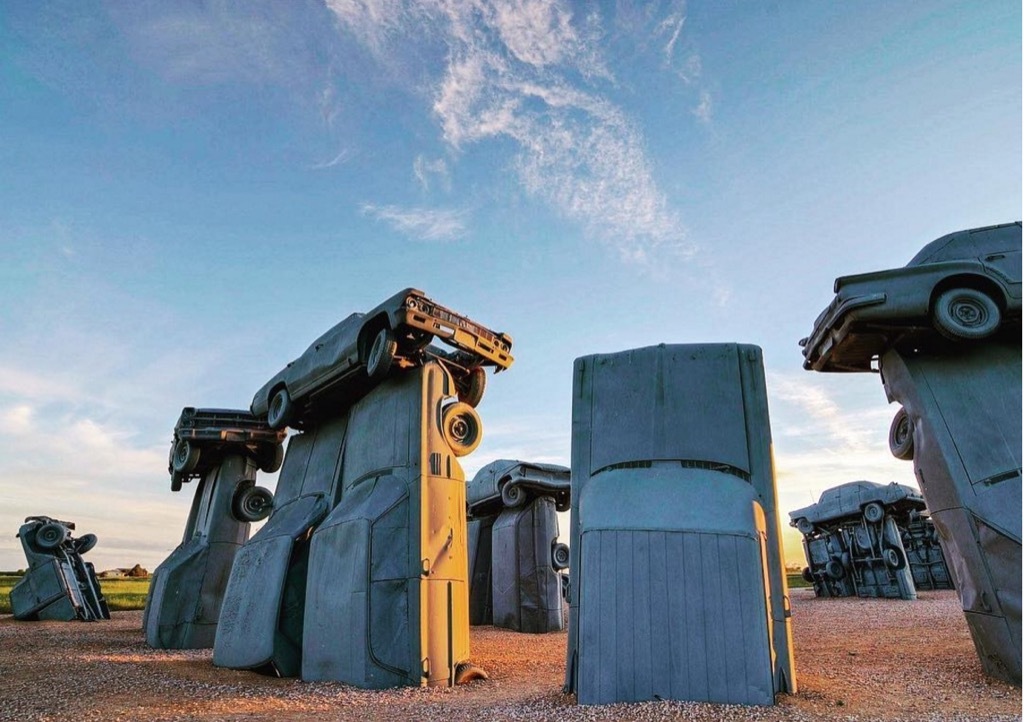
[192, 192]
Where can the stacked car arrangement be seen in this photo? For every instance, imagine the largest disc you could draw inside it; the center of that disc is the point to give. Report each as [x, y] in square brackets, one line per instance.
[376, 555]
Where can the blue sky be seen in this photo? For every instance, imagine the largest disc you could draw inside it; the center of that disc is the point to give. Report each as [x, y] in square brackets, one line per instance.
[192, 192]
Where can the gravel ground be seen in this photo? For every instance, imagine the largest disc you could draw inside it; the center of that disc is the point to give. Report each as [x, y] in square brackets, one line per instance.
[856, 660]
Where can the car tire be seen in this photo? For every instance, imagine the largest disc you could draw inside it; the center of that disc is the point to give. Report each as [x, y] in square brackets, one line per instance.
[252, 503]
[51, 535]
[901, 436]
[894, 558]
[471, 387]
[270, 458]
[280, 408]
[85, 543]
[806, 575]
[874, 512]
[461, 428]
[834, 568]
[186, 456]
[381, 354]
[804, 526]
[559, 556]
[466, 672]
[513, 496]
[176, 479]
[965, 314]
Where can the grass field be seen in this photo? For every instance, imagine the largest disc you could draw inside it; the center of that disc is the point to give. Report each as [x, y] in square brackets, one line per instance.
[122, 595]
[796, 581]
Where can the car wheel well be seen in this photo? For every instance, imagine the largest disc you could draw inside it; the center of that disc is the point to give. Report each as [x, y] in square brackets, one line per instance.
[979, 283]
[368, 332]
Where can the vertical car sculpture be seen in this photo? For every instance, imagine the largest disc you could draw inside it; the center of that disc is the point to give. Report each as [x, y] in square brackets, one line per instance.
[282, 594]
[945, 334]
[387, 598]
[59, 585]
[678, 589]
[516, 560]
[221, 449]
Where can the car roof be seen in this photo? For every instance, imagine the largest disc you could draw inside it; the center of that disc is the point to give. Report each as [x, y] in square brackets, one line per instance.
[970, 243]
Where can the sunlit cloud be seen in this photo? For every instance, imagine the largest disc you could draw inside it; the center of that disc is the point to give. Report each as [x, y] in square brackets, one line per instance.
[16, 420]
[425, 224]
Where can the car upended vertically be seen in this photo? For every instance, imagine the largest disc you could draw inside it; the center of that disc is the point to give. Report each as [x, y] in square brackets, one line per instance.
[678, 590]
[944, 333]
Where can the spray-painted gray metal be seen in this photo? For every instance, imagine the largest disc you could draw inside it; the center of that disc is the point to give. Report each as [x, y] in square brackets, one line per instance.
[965, 286]
[964, 408]
[387, 598]
[510, 483]
[202, 437]
[59, 585]
[948, 349]
[222, 448]
[360, 351]
[261, 619]
[479, 534]
[515, 555]
[525, 564]
[859, 558]
[856, 542]
[678, 589]
[924, 553]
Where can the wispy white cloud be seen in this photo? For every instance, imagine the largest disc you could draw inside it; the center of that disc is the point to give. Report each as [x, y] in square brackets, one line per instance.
[424, 170]
[336, 160]
[530, 71]
[703, 109]
[425, 224]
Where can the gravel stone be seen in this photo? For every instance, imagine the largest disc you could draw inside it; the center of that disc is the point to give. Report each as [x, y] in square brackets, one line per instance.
[857, 659]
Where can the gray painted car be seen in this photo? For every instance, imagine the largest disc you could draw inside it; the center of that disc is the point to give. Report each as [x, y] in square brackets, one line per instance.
[59, 585]
[358, 353]
[511, 483]
[854, 499]
[963, 286]
[203, 437]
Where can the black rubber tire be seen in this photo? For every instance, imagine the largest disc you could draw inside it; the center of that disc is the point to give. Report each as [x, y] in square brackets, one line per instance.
[559, 556]
[901, 436]
[873, 512]
[513, 495]
[51, 535]
[252, 503]
[894, 558]
[472, 386]
[280, 409]
[461, 428]
[834, 568]
[966, 314]
[805, 573]
[85, 543]
[185, 457]
[467, 672]
[380, 354]
[804, 526]
[270, 458]
[176, 480]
